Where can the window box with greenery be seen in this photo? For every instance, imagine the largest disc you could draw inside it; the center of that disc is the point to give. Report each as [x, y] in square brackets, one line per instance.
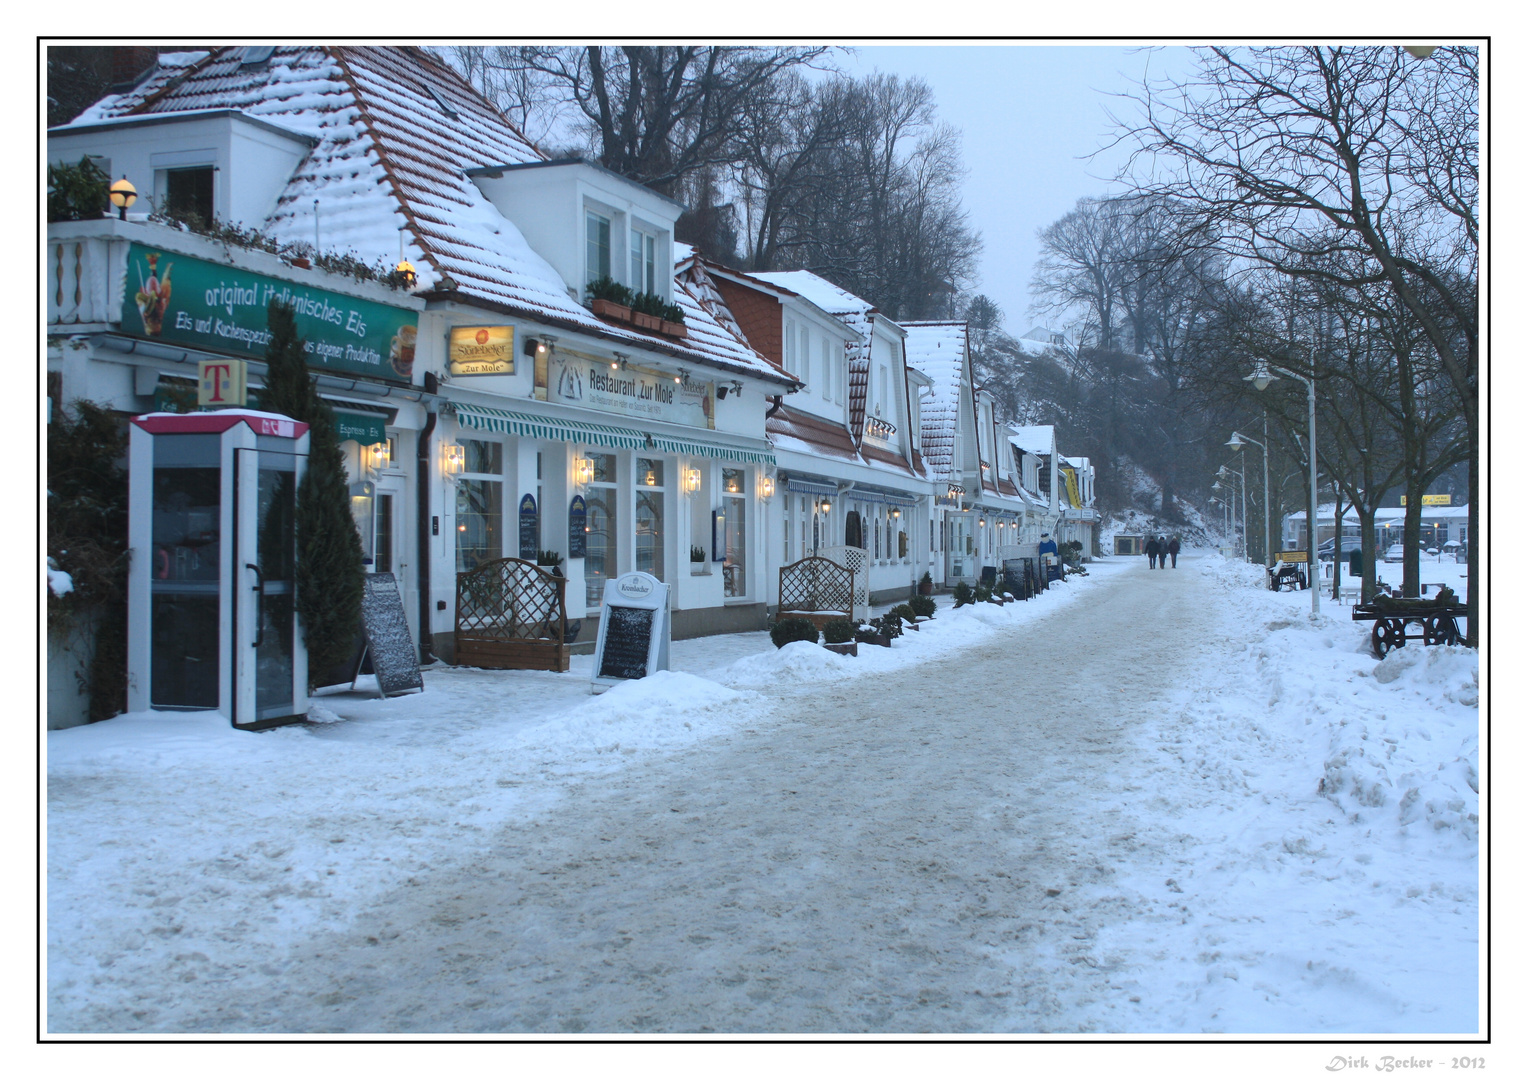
[673, 321]
[647, 311]
[609, 299]
[838, 637]
[698, 563]
[880, 631]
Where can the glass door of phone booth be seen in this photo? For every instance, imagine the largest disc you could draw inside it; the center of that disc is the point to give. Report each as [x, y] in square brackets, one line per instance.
[212, 621]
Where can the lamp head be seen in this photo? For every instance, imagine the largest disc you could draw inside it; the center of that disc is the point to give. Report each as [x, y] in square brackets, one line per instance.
[1235, 440]
[1260, 376]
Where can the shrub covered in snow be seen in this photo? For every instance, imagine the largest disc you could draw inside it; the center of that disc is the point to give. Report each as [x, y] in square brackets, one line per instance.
[787, 630]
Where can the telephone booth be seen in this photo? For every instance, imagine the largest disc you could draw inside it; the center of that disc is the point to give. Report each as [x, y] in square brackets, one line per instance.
[212, 622]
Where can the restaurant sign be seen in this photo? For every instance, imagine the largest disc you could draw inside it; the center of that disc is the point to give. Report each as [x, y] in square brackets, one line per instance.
[173, 297]
[575, 378]
[482, 350]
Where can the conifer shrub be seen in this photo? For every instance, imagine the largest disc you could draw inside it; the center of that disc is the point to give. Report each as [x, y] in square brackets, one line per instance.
[78, 192]
[964, 594]
[787, 630]
[330, 573]
[838, 631]
[87, 539]
[906, 612]
[923, 605]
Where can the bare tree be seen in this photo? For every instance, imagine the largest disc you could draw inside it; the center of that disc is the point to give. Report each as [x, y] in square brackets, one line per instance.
[1297, 154]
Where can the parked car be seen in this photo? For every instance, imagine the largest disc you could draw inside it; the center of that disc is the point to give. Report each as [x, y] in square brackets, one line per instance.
[1396, 553]
[1348, 546]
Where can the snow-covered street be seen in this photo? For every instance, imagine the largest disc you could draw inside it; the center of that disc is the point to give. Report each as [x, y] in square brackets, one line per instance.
[1147, 801]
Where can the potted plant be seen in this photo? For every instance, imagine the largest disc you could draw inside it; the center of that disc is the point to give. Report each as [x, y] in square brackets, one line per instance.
[880, 631]
[785, 631]
[609, 299]
[647, 311]
[697, 560]
[907, 614]
[924, 606]
[925, 584]
[838, 637]
[552, 560]
[963, 594]
[673, 321]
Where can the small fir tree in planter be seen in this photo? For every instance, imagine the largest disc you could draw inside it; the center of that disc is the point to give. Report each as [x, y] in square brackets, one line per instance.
[552, 560]
[838, 637]
[609, 298]
[907, 613]
[788, 630]
[925, 584]
[963, 594]
[924, 606]
[330, 574]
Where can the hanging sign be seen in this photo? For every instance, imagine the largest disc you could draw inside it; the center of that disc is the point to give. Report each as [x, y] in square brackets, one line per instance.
[222, 383]
[575, 378]
[173, 297]
[530, 528]
[577, 528]
[634, 632]
[481, 350]
[1432, 500]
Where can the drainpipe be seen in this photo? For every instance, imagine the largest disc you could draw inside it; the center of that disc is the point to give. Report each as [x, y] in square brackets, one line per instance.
[779, 401]
[426, 636]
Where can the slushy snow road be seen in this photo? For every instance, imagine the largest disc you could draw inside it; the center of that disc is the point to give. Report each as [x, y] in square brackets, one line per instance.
[1090, 819]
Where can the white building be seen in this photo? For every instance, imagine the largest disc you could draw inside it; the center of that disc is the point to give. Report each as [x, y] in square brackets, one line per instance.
[494, 382]
[848, 447]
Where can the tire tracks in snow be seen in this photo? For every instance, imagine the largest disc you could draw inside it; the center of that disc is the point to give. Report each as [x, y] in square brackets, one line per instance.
[927, 851]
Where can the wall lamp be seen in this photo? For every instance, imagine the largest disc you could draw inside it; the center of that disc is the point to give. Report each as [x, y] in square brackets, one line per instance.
[765, 487]
[583, 471]
[453, 458]
[734, 388]
[539, 346]
[690, 481]
[619, 361]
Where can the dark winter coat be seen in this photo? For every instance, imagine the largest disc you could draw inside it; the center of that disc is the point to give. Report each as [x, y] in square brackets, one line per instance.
[1153, 547]
[1174, 546]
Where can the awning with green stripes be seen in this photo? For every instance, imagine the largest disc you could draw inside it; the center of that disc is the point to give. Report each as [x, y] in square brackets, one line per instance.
[715, 450]
[509, 422]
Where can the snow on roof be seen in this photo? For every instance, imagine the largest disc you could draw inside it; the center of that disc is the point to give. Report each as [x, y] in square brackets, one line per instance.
[854, 312]
[1035, 438]
[390, 157]
[938, 350]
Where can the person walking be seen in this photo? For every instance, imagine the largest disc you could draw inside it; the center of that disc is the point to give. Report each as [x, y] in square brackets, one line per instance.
[1173, 548]
[1152, 551]
[1161, 551]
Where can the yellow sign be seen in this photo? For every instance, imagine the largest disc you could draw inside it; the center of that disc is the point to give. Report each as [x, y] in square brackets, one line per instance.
[482, 350]
[1432, 500]
[1292, 556]
[222, 383]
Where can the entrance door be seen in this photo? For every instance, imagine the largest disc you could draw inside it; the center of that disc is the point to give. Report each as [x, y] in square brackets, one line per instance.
[265, 614]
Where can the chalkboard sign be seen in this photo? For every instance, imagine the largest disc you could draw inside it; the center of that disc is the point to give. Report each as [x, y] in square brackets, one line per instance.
[1012, 578]
[628, 640]
[634, 632]
[388, 641]
[530, 528]
[577, 528]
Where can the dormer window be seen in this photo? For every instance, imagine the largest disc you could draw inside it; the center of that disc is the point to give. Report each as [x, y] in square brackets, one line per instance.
[188, 193]
[597, 245]
[644, 263]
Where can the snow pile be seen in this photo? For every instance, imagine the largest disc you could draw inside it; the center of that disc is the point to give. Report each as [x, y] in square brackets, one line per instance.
[663, 710]
[59, 581]
[796, 662]
[1327, 851]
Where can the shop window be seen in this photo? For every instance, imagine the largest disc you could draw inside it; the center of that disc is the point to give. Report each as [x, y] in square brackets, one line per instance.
[853, 530]
[480, 505]
[734, 501]
[601, 523]
[649, 516]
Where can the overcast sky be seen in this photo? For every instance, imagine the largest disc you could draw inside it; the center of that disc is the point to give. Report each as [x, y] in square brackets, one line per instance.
[1031, 115]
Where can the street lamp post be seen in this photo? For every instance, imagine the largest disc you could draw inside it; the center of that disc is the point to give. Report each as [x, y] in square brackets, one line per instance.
[1261, 377]
[1235, 443]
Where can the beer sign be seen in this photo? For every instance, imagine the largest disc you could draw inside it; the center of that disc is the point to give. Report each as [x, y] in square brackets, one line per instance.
[482, 350]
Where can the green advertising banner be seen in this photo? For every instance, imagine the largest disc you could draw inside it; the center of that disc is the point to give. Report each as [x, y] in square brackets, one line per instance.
[178, 298]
